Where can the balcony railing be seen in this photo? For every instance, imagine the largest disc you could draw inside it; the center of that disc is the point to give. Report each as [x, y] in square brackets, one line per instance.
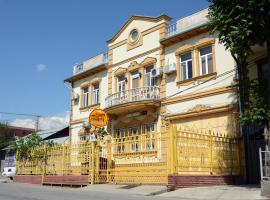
[137, 94]
[175, 28]
[91, 63]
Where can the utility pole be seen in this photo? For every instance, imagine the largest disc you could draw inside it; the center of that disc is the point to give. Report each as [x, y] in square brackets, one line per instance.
[37, 123]
[24, 114]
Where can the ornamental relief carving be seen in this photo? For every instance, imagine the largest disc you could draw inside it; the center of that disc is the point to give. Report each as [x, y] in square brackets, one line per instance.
[148, 60]
[199, 108]
[133, 66]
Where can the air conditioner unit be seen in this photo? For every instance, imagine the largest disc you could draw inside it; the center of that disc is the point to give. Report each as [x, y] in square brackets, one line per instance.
[75, 97]
[156, 72]
[169, 68]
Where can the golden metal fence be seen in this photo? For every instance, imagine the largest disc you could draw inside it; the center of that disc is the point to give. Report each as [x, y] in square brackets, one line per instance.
[138, 158]
[196, 152]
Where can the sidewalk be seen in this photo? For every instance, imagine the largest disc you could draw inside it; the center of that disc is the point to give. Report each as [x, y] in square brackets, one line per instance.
[217, 193]
[197, 193]
[144, 190]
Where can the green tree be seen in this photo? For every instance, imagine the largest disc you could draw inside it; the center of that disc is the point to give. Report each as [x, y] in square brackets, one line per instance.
[6, 136]
[24, 147]
[241, 25]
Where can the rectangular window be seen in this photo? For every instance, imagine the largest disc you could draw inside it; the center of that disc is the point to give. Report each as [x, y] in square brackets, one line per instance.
[133, 133]
[119, 136]
[83, 138]
[96, 93]
[149, 79]
[85, 93]
[135, 79]
[206, 60]
[186, 66]
[121, 83]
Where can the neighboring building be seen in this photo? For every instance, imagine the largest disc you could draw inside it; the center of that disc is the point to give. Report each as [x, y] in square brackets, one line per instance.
[57, 135]
[7, 159]
[156, 74]
[258, 69]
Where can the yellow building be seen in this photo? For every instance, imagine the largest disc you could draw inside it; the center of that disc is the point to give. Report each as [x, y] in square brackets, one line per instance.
[155, 74]
[159, 77]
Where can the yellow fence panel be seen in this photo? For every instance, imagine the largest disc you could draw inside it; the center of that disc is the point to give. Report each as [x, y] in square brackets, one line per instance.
[138, 158]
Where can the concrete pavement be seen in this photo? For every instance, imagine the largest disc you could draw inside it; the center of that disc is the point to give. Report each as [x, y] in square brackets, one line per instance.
[16, 191]
[217, 193]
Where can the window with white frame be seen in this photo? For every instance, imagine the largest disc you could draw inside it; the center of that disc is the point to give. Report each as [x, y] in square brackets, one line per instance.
[121, 84]
[85, 95]
[95, 94]
[135, 79]
[149, 79]
[186, 66]
[206, 60]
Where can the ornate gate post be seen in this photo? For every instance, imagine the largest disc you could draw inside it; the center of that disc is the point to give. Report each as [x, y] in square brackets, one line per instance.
[92, 163]
[172, 147]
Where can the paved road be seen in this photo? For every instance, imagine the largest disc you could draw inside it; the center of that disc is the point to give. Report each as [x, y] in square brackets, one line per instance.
[16, 191]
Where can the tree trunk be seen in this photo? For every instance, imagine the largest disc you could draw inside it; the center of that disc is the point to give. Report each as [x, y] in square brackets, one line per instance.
[268, 59]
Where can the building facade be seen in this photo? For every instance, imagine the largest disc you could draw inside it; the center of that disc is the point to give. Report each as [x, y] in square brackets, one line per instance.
[155, 74]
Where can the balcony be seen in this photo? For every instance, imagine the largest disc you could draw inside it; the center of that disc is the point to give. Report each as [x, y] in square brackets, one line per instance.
[186, 27]
[91, 63]
[175, 29]
[132, 100]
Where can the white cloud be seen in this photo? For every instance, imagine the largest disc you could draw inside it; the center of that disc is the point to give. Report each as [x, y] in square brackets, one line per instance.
[40, 67]
[45, 123]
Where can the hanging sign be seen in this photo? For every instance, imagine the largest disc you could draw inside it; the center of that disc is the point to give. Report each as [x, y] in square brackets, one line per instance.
[98, 118]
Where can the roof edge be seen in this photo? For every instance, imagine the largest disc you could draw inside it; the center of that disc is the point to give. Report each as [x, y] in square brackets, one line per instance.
[134, 17]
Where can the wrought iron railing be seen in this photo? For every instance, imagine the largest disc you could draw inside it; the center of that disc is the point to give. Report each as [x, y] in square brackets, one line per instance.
[137, 94]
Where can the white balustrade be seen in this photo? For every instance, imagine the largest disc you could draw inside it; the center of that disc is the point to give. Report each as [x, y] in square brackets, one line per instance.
[137, 94]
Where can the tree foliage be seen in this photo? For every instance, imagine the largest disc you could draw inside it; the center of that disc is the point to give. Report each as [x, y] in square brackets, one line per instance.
[31, 147]
[258, 111]
[241, 25]
[6, 136]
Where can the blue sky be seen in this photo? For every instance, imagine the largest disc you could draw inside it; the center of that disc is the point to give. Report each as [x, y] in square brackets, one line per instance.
[40, 40]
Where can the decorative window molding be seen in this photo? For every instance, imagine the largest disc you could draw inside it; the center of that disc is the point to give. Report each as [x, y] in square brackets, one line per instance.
[85, 84]
[148, 61]
[133, 66]
[95, 80]
[204, 42]
[184, 49]
[120, 71]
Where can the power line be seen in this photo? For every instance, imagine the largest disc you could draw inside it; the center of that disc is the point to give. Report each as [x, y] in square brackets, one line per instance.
[22, 114]
[194, 86]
